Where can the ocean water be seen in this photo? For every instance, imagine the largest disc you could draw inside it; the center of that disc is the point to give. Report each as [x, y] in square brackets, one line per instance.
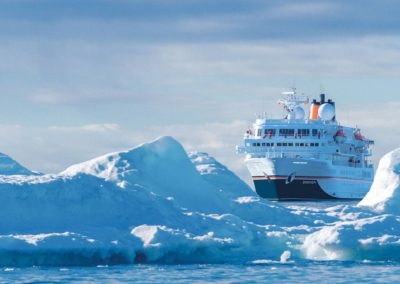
[296, 271]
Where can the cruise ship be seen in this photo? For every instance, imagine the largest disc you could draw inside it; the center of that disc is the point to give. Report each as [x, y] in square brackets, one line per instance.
[307, 154]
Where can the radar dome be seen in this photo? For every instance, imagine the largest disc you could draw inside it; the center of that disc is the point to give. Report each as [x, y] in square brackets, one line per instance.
[326, 112]
[299, 112]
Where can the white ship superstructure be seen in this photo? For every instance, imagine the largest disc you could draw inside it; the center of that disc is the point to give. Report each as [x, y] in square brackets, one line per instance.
[307, 156]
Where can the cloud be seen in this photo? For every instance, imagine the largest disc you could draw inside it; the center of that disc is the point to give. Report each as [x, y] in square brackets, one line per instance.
[99, 128]
[184, 73]
[83, 96]
[52, 149]
[198, 70]
[306, 9]
[199, 21]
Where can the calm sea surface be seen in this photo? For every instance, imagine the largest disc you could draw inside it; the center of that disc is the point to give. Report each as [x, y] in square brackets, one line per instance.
[301, 272]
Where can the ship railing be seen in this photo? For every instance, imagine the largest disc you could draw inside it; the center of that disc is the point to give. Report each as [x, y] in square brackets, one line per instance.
[295, 121]
[274, 153]
[365, 151]
[271, 155]
[267, 138]
[277, 149]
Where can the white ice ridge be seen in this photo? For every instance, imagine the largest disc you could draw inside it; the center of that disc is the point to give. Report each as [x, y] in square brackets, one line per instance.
[155, 203]
[151, 203]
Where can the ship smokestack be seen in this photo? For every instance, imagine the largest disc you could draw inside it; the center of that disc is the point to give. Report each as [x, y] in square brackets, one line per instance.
[314, 110]
[322, 98]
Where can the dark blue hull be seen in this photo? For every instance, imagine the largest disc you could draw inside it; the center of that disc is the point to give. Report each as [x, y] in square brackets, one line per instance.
[280, 189]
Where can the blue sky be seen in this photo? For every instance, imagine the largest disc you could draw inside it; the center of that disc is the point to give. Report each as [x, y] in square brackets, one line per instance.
[81, 78]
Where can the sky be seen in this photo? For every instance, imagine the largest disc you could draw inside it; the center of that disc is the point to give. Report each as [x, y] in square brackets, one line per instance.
[83, 78]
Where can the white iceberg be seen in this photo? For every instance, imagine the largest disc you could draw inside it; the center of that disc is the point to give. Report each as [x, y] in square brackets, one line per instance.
[384, 195]
[371, 238]
[148, 204]
[157, 204]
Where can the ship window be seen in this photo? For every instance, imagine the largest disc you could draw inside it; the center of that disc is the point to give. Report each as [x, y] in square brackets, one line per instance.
[270, 132]
[254, 144]
[290, 144]
[263, 144]
[259, 131]
[297, 144]
[284, 144]
[316, 144]
[286, 132]
[301, 144]
[303, 132]
[315, 132]
[258, 144]
[306, 144]
[279, 144]
[272, 144]
[312, 144]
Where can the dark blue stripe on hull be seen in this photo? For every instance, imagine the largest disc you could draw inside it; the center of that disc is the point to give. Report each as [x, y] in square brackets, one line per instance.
[298, 189]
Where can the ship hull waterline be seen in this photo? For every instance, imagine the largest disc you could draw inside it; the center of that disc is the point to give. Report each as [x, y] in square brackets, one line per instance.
[305, 189]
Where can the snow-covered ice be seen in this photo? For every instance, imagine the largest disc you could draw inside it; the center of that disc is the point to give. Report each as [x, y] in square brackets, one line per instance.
[384, 195]
[151, 203]
[156, 203]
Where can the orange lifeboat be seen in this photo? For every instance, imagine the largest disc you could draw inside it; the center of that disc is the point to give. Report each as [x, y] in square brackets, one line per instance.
[340, 136]
[358, 136]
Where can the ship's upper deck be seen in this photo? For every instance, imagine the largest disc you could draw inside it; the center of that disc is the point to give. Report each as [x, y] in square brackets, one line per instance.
[285, 121]
[317, 135]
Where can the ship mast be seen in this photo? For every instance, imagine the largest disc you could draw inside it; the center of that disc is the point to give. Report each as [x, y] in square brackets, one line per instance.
[292, 104]
[292, 100]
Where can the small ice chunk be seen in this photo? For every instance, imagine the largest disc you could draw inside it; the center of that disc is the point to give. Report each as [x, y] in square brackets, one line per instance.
[285, 256]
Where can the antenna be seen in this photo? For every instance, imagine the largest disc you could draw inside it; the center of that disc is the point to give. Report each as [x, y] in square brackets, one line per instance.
[292, 100]
[321, 88]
